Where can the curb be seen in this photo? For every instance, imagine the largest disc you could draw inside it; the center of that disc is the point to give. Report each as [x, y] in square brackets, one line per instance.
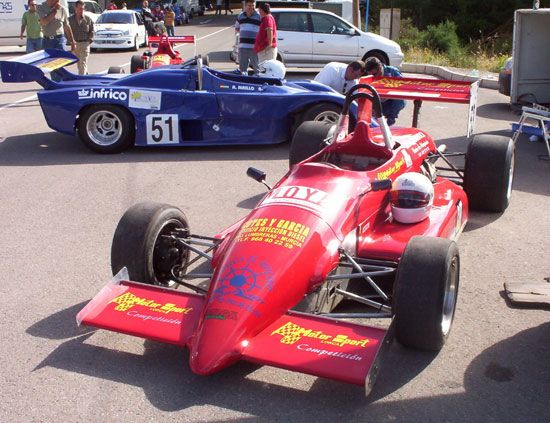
[490, 82]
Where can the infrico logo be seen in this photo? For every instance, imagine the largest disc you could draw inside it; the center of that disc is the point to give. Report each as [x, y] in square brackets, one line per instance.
[102, 94]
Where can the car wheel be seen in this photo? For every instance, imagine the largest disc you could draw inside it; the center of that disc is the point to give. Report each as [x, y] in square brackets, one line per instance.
[379, 55]
[135, 47]
[137, 63]
[206, 60]
[322, 112]
[142, 243]
[425, 292]
[489, 172]
[106, 128]
[308, 140]
[115, 69]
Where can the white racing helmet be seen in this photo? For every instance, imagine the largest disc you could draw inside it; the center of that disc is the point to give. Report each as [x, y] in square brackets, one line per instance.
[411, 198]
[272, 69]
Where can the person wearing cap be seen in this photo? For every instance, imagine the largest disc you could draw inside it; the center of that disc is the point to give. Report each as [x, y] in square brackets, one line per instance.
[341, 77]
[390, 107]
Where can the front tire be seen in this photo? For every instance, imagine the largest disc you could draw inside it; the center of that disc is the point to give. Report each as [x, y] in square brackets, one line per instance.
[137, 63]
[322, 112]
[425, 292]
[489, 172]
[115, 69]
[379, 55]
[106, 128]
[308, 140]
[142, 243]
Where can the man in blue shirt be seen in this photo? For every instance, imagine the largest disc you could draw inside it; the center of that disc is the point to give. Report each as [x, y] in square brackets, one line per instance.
[390, 107]
[247, 25]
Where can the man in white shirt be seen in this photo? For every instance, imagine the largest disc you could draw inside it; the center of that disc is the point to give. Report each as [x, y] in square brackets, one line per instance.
[341, 77]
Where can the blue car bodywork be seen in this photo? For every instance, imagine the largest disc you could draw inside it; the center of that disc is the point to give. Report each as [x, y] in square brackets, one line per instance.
[179, 105]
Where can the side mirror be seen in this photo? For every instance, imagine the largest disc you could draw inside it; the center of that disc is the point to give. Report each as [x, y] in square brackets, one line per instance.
[257, 175]
[382, 185]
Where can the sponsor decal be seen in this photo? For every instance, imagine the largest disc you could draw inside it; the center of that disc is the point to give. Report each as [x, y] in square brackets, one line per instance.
[275, 231]
[243, 282]
[435, 86]
[220, 314]
[407, 157]
[7, 7]
[141, 99]
[54, 64]
[102, 94]
[128, 300]
[321, 351]
[385, 174]
[292, 333]
[225, 87]
[421, 148]
[306, 197]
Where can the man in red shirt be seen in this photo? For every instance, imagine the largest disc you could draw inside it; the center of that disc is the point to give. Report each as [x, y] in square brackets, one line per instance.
[266, 39]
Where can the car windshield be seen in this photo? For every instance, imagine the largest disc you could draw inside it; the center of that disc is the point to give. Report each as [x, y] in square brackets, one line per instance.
[115, 18]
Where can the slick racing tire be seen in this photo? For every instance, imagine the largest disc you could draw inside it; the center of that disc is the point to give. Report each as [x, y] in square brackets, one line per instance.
[143, 245]
[425, 292]
[308, 140]
[137, 63]
[115, 69]
[106, 128]
[322, 112]
[489, 173]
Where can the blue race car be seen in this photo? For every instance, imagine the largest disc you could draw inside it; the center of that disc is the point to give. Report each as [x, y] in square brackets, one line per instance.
[180, 105]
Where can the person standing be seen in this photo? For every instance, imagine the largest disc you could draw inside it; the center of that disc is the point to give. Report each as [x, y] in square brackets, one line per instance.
[227, 7]
[341, 77]
[265, 45]
[54, 19]
[169, 19]
[31, 22]
[218, 7]
[82, 27]
[390, 107]
[112, 5]
[247, 25]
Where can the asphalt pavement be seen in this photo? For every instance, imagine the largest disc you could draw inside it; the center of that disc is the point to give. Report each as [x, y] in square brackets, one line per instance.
[60, 206]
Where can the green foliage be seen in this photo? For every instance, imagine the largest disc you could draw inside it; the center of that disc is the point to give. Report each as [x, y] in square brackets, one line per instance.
[442, 38]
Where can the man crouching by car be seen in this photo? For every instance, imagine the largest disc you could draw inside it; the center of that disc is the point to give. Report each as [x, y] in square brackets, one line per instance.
[83, 33]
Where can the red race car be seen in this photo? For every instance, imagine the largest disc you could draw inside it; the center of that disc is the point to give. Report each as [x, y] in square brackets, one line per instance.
[165, 54]
[366, 217]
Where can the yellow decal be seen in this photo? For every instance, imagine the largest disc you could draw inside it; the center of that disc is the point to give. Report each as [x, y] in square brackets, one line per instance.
[391, 170]
[292, 333]
[136, 95]
[54, 64]
[282, 232]
[396, 83]
[128, 300]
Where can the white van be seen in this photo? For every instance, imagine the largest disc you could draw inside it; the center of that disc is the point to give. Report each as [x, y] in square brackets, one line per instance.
[11, 12]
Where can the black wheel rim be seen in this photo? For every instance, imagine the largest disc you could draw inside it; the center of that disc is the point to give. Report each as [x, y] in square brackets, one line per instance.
[168, 255]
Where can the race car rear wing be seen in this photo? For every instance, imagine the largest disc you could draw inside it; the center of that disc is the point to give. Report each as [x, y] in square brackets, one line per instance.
[35, 66]
[424, 89]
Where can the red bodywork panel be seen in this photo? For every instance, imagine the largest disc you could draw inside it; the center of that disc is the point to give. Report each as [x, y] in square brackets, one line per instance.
[284, 249]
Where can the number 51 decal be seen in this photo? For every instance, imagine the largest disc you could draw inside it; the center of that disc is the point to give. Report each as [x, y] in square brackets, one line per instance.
[162, 129]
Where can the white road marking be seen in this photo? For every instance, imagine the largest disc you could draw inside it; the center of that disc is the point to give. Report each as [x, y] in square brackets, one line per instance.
[34, 97]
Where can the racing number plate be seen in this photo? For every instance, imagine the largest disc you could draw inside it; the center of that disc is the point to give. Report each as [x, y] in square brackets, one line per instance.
[162, 129]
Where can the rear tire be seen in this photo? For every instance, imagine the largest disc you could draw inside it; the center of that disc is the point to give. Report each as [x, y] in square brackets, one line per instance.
[140, 245]
[489, 173]
[115, 69]
[308, 140]
[425, 292]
